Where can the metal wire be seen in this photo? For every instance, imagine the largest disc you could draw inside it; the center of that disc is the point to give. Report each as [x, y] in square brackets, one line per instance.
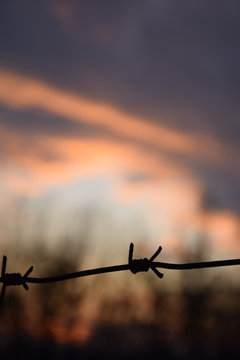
[134, 265]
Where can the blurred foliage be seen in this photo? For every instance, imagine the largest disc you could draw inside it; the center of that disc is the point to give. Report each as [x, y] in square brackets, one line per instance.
[122, 314]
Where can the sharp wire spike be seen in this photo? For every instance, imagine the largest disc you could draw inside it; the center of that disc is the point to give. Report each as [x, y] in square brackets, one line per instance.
[130, 255]
[2, 294]
[158, 273]
[4, 264]
[3, 272]
[28, 272]
[25, 286]
[156, 254]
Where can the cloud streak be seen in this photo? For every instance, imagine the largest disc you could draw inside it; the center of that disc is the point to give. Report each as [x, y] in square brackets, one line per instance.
[21, 92]
[51, 161]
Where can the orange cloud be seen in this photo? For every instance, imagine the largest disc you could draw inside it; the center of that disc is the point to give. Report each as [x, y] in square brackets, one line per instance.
[28, 171]
[23, 93]
[223, 229]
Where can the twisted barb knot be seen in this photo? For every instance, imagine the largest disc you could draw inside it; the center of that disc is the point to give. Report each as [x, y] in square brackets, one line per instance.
[12, 278]
[137, 265]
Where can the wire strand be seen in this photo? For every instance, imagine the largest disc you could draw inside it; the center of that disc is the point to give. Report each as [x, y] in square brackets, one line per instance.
[134, 265]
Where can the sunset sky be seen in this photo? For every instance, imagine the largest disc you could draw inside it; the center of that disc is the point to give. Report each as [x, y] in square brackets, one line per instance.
[129, 108]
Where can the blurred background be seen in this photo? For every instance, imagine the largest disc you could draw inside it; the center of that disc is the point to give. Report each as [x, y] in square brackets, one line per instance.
[119, 123]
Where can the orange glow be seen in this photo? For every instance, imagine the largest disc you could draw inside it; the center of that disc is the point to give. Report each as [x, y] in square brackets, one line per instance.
[78, 158]
[221, 228]
[23, 93]
[78, 333]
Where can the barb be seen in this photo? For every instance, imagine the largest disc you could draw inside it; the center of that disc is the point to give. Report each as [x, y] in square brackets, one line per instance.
[137, 265]
[134, 265]
[12, 279]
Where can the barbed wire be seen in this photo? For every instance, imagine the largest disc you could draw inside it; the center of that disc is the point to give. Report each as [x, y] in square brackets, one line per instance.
[134, 265]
